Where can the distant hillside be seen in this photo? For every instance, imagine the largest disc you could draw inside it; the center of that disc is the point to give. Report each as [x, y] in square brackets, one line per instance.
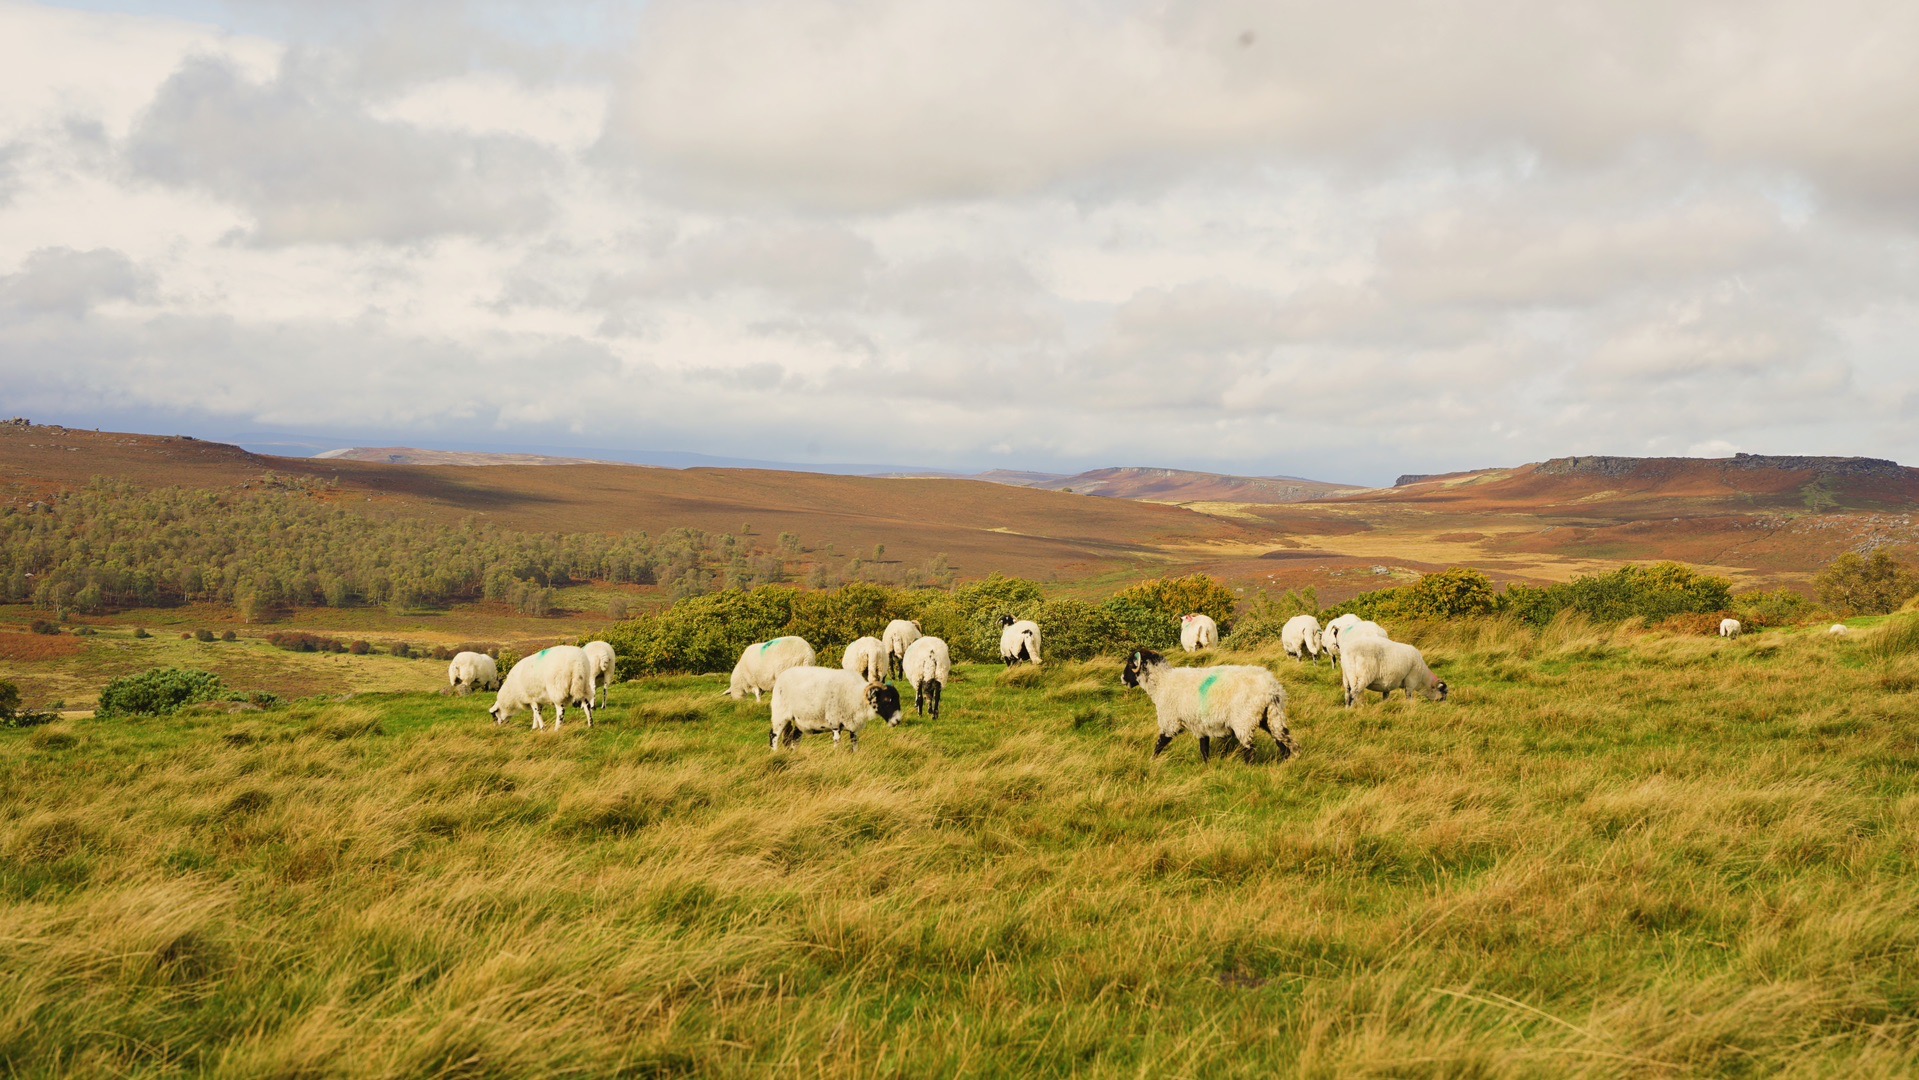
[407, 455]
[1623, 484]
[1178, 486]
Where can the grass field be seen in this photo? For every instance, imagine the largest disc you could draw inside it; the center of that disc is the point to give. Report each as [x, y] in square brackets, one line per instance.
[1609, 853]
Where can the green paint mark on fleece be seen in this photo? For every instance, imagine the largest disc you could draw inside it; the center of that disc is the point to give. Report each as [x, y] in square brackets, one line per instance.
[770, 644]
[542, 652]
[1206, 689]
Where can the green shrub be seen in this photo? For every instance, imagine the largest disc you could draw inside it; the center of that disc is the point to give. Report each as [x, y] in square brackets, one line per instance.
[42, 626]
[1855, 585]
[141, 632]
[1781, 607]
[158, 692]
[12, 715]
[1457, 593]
[1266, 616]
[203, 635]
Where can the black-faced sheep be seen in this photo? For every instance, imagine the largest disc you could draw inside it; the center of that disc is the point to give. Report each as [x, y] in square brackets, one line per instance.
[809, 699]
[1212, 702]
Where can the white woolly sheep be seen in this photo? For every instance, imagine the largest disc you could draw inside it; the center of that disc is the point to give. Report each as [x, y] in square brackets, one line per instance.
[471, 671]
[868, 659]
[1018, 641]
[601, 656]
[1729, 628]
[821, 699]
[1212, 702]
[761, 663]
[1839, 629]
[1365, 628]
[929, 667]
[1329, 637]
[1197, 632]
[899, 635]
[1374, 663]
[559, 676]
[1300, 637]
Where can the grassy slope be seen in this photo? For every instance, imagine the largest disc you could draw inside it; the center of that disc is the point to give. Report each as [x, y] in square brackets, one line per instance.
[1605, 855]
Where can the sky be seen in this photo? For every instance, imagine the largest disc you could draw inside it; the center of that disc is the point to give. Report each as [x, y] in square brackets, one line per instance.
[1263, 237]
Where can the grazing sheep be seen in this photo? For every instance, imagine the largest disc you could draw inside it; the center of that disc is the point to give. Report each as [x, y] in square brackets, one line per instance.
[1197, 632]
[821, 699]
[929, 667]
[559, 676]
[471, 671]
[1213, 702]
[1300, 637]
[1374, 663]
[1018, 641]
[1839, 629]
[761, 663]
[1329, 637]
[899, 635]
[1729, 628]
[600, 654]
[867, 657]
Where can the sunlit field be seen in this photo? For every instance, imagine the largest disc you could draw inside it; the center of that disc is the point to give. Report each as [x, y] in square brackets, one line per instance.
[1611, 852]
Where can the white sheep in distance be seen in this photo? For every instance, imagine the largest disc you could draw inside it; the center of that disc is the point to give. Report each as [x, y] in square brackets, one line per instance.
[1300, 637]
[601, 655]
[1197, 632]
[1374, 663]
[1236, 700]
[1839, 629]
[1018, 641]
[559, 676]
[822, 699]
[761, 663]
[471, 671]
[1729, 628]
[868, 659]
[899, 635]
[929, 667]
[1329, 637]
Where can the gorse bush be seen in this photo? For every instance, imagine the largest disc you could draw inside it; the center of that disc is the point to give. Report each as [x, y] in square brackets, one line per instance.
[1651, 593]
[158, 692]
[707, 633]
[1856, 585]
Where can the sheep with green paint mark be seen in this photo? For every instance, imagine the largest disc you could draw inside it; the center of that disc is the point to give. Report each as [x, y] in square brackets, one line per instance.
[1212, 702]
[559, 676]
[761, 663]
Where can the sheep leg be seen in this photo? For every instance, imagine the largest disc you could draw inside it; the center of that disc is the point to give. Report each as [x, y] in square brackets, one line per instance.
[559, 714]
[588, 710]
[1205, 748]
[1160, 746]
[936, 701]
[1246, 747]
[852, 742]
[538, 723]
[919, 700]
[836, 737]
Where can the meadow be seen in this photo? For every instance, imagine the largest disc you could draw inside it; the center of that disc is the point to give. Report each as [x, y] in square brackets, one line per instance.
[1612, 852]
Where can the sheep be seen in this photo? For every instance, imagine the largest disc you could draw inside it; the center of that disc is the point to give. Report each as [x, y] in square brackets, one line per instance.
[471, 671]
[1236, 700]
[560, 676]
[1839, 629]
[867, 657]
[899, 635]
[1374, 663]
[1729, 628]
[761, 663]
[821, 699]
[1300, 637]
[1197, 632]
[1018, 641]
[603, 659]
[1329, 637]
[1365, 628]
[929, 667]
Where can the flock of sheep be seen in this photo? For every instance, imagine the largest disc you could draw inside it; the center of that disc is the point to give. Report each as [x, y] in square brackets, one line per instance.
[1211, 702]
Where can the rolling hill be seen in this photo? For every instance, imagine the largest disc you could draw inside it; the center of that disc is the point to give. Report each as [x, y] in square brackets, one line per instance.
[1178, 486]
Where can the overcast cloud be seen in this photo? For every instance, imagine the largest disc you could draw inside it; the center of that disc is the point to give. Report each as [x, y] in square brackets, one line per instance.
[1341, 241]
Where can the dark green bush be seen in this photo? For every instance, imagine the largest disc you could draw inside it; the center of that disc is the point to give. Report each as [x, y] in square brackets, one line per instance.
[1856, 585]
[1653, 593]
[12, 715]
[158, 692]
[203, 635]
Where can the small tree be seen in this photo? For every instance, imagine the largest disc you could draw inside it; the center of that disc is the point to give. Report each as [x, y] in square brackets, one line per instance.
[1854, 585]
[1450, 594]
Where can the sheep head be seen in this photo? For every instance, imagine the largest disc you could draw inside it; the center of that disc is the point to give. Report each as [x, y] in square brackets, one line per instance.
[1138, 664]
[885, 702]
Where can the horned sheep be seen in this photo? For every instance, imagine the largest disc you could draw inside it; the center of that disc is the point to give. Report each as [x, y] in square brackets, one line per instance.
[1197, 631]
[899, 635]
[557, 676]
[1212, 702]
[762, 662]
[867, 657]
[812, 699]
[1018, 641]
[471, 671]
[603, 659]
[1300, 637]
[929, 667]
[1374, 663]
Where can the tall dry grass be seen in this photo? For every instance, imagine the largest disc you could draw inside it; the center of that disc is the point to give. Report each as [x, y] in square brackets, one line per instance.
[1612, 853]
